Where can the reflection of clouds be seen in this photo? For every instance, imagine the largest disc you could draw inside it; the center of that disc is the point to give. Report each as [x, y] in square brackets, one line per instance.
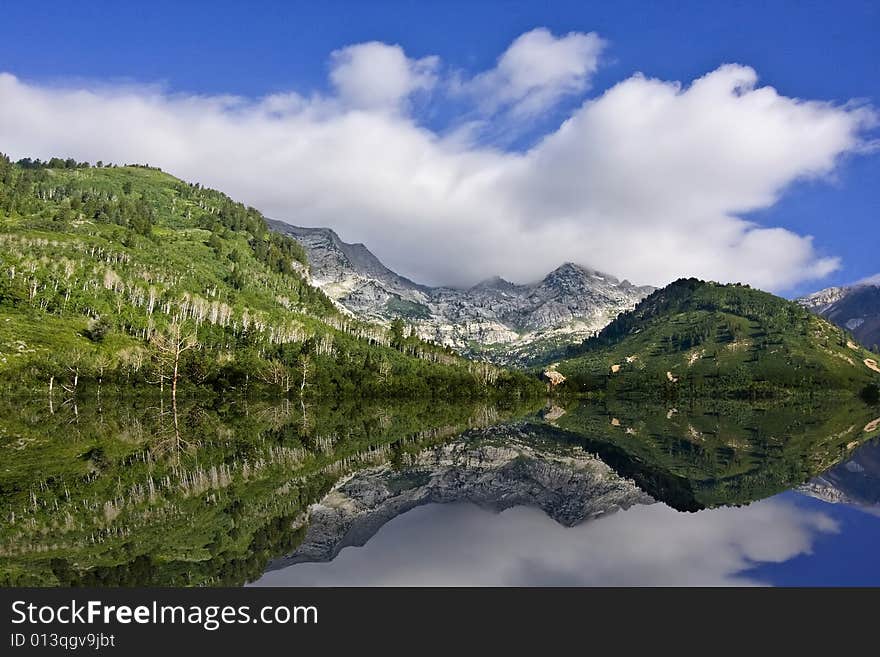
[461, 544]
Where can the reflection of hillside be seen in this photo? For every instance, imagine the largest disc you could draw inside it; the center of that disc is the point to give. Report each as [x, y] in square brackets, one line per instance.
[495, 468]
[728, 453]
[125, 491]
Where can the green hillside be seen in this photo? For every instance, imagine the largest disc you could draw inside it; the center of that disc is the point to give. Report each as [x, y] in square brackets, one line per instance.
[128, 276]
[705, 339]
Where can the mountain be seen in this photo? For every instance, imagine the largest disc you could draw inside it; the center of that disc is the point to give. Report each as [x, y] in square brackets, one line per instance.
[592, 460]
[496, 319]
[128, 276]
[349, 272]
[699, 338]
[855, 308]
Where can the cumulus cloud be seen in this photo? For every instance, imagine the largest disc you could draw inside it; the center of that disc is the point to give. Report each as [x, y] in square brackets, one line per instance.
[377, 76]
[536, 71]
[648, 180]
[643, 546]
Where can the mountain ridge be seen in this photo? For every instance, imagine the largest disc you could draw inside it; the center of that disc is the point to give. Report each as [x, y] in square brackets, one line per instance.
[503, 321]
[496, 468]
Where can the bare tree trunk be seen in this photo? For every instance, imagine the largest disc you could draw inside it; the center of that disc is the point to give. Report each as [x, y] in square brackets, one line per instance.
[305, 371]
[176, 425]
[171, 345]
[174, 384]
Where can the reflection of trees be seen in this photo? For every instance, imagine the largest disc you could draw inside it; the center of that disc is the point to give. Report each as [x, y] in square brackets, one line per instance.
[135, 475]
[169, 440]
[729, 453]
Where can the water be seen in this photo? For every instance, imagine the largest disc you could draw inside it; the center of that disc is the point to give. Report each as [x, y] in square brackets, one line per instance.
[786, 540]
[131, 491]
[823, 533]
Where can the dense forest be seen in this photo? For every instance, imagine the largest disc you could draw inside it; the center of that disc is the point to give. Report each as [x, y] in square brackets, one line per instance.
[126, 276]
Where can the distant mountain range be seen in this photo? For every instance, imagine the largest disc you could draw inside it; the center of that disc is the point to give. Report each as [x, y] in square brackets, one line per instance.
[855, 308]
[506, 322]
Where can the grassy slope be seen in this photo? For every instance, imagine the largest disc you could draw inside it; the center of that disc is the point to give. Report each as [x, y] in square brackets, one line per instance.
[74, 248]
[718, 339]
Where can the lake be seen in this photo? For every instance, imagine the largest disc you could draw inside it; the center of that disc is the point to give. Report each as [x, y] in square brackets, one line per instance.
[229, 491]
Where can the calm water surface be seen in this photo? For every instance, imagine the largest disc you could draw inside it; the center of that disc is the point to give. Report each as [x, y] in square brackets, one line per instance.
[494, 525]
[133, 491]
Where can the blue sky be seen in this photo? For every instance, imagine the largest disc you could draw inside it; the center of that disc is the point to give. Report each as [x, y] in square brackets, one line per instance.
[816, 51]
[840, 558]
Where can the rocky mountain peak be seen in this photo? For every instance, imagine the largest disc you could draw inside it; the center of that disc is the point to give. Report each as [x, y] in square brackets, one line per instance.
[572, 268]
[569, 304]
[570, 273]
[821, 300]
[336, 265]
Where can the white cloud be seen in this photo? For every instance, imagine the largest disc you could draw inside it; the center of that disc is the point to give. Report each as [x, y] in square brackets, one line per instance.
[378, 76]
[536, 71]
[647, 180]
[643, 546]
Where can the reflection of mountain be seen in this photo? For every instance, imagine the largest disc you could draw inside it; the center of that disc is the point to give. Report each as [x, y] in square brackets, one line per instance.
[646, 545]
[595, 459]
[495, 468]
[138, 494]
[855, 482]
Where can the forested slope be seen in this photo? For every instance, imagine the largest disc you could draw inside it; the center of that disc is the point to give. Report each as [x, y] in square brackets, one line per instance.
[704, 338]
[128, 276]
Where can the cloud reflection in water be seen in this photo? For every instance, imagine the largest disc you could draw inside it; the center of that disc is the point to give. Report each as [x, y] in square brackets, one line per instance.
[461, 544]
